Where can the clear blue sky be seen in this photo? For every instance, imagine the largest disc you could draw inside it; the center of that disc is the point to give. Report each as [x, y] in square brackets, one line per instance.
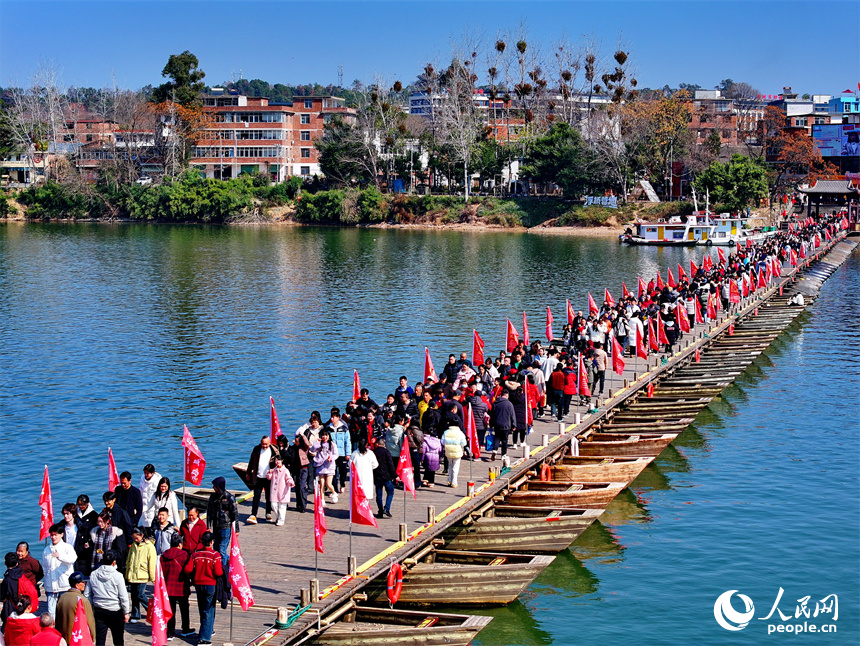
[811, 46]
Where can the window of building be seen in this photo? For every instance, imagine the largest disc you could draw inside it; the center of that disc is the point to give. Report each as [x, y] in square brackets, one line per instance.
[305, 170]
[306, 153]
[305, 135]
[820, 121]
[309, 104]
[256, 151]
[306, 118]
[89, 137]
[272, 117]
[800, 121]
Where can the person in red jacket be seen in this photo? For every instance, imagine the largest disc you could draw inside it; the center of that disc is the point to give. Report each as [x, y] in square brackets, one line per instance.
[192, 529]
[22, 624]
[48, 635]
[205, 567]
[173, 563]
[556, 387]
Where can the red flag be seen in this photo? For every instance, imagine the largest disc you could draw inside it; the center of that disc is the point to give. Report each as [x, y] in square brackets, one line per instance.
[641, 352]
[681, 273]
[275, 425]
[592, 306]
[513, 339]
[793, 258]
[718, 302]
[81, 635]
[160, 608]
[699, 317]
[582, 379]
[660, 284]
[712, 309]
[803, 252]
[625, 293]
[471, 433]
[682, 319]
[693, 270]
[113, 478]
[359, 506]
[47, 507]
[404, 470]
[734, 292]
[762, 281]
[738, 248]
[608, 297]
[525, 330]
[319, 515]
[748, 243]
[239, 583]
[548, 324]
[569, 313]
[670, 279]
[652, 335]
[617, 359]
[721, 254]
[195, 465]
[745, 286]
[661, 332]
[817, 241]
[641, 289]
[356, 386]
[430, 373]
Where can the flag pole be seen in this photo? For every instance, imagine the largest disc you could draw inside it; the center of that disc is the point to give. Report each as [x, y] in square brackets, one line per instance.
[231, 618]
[316, 553]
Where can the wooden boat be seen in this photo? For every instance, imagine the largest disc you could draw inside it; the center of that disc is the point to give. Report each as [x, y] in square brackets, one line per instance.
[669, 426]
[505, 528]
[462, 578]
[584, 468]
[241, 469]
[198, 496]
[664, 419]
[554, 494]
[648, 403]
[367, 626]
[625, 444]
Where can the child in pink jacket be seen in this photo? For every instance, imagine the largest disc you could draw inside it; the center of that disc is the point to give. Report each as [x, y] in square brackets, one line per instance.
[282, 484]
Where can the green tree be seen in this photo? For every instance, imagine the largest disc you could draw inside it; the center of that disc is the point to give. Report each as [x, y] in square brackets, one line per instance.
[344, 157]
[714, 144]
[186, 80]
[562, 157]
[738, 183]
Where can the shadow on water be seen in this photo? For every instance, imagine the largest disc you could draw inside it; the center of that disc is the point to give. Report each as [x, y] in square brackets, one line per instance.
[626, 508]
[513, 624]
[598, 543]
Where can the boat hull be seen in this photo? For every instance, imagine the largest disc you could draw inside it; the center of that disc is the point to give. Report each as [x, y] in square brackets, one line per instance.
[559, 494]
[599, 469]
[632, 445]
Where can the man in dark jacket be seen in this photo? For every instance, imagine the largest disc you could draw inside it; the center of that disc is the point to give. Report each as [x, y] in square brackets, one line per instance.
[221, 516]
[431, 419]
[14, 585]
[129, 498]
[383, 478]
[118, 516]
[517, 398]
[262, 459]
[407, 406]
[503, 420]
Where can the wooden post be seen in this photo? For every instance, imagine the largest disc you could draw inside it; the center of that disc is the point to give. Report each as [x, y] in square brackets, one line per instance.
[626, 383]
[577, 418]
[561, 426]
[304, 597]
[402, 532]
[544, 440]
[431, 514]
[526, 450]
[351, 565]
[315, 590]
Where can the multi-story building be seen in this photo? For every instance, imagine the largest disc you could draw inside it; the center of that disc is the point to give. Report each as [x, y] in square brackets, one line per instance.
[251, 135]
[712, 112]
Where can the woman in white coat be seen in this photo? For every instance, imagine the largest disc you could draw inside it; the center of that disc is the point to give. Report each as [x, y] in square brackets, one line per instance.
[164, 497]
[365, 462]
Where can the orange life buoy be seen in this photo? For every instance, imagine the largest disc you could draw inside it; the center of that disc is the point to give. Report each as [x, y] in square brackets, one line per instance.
[395, 582]
[544, 472]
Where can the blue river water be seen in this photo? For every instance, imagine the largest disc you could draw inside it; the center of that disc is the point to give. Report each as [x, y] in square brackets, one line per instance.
[117, 335]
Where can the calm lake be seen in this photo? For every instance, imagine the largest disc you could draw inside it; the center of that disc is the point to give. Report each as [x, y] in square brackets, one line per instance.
[117, 335]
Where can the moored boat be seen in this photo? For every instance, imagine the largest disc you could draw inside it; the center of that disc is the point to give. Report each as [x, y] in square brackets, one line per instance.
[554, 494]
[650, 445]
[600, 468]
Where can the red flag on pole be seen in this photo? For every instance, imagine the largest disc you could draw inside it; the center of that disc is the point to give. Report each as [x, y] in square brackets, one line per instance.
[734, 292]
[793, 258]
[356, 386]
[548, 324]
[113, 477]
[745, 286]
[471, 433]
[653, 343]
[699, 317]
[404, 470]
[682, 319]
[681, 273]
[693, 269]
[625, 293]
[660, 283]
[430, 373]
[641, 352]
[525, 330]
[592, 306]
[721, 254]
[762, 281]
[738, 248]
[641, 289]
[569, 313]
[477, 350]
[239, 583]
[359, 506]
[530, 402]
[513, 339]
[161, 611]
[319, 517]
[661, 332]
[670, 279]
[608, 297]
[582, 379]
[748, 243]
[81, 635]
[47, 506]
[195, 465]
[712, 309]
[617, 359]
[274, 423]
[803, 251]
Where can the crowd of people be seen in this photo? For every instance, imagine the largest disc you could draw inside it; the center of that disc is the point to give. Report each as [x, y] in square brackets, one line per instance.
[108, 559]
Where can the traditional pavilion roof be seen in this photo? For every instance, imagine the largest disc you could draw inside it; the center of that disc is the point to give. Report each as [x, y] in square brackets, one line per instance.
[831, 187]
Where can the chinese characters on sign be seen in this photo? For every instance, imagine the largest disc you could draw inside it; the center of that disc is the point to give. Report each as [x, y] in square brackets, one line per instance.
[610, 201]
